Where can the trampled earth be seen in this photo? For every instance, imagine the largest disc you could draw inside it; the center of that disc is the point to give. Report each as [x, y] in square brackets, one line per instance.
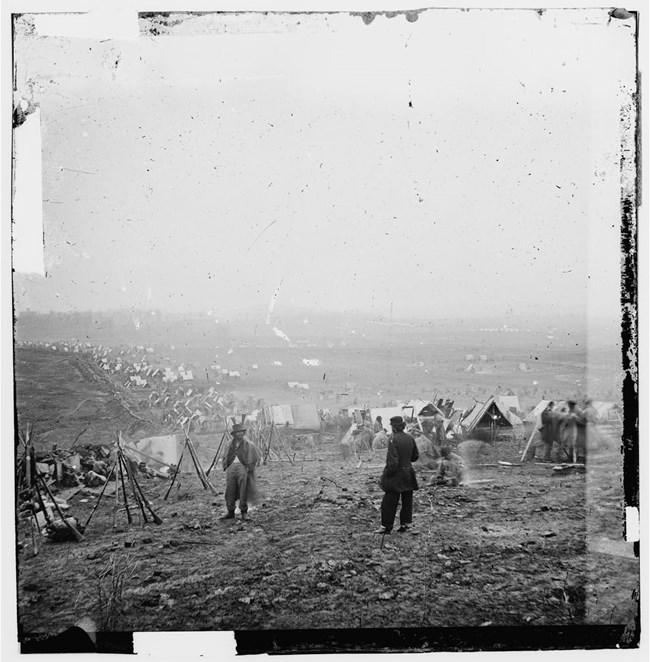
[520, 545]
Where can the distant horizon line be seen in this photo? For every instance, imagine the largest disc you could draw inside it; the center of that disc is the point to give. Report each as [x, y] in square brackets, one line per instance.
[297, 310]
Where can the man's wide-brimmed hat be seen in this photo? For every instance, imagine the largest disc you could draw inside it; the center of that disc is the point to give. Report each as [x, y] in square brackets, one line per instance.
[397, 420]
[238, 427]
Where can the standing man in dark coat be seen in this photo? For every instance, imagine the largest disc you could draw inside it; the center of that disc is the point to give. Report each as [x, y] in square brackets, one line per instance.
[239, 464]
[548, 430]
[398, 479]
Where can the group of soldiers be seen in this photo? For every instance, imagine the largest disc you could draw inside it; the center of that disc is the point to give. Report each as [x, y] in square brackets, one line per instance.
[433, 430]
[565, 431]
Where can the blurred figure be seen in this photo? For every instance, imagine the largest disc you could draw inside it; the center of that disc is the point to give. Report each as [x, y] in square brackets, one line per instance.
[548, 429]
[398, 478]
[573, 433]
[363, 436]
[429, 454]
[380, 440]
[378, 425]
[439, 434]
[451, 470]
[593, 439]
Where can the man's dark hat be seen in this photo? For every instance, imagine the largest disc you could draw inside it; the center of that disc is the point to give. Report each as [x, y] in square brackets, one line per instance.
[397, 420]
[238, 427]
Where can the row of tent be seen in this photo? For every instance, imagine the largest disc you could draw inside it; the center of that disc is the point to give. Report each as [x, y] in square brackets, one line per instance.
[500, 411]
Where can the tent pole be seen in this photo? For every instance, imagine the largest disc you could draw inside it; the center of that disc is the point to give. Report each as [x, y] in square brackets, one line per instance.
[523, 455]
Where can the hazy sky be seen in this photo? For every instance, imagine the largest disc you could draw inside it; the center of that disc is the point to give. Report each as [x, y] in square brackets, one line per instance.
[467, 162]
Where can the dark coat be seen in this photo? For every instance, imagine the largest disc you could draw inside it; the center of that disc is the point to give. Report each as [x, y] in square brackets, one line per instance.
[246, 453]
[399, 475]
[549, 421]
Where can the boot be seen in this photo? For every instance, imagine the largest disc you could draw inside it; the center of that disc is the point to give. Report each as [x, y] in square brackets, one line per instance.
[229, 515]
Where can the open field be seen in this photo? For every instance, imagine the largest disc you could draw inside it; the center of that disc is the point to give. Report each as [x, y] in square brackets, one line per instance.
[524, 547]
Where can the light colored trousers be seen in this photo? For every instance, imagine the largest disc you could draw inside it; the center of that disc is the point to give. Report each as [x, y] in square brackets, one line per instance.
[236, 487]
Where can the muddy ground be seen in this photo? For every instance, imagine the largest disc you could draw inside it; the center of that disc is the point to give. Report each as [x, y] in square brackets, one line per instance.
[520, 546]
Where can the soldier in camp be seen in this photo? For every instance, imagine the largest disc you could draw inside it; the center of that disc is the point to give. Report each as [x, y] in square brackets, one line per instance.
[439, 434]
[592, 435]
[239, 464]
[380, 440]
[575, 433]
[398, 479]
[548, 429]
[451, 469]
[378, 425]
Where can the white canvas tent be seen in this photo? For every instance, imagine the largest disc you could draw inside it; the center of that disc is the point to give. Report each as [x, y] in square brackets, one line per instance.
[166, 449]
[305, 417]
[386, 414]
[535, 415]
[510, 402]
[484, 414]
[278, 414]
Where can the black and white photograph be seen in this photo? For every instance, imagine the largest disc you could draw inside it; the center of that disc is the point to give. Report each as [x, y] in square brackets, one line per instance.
[323, 328]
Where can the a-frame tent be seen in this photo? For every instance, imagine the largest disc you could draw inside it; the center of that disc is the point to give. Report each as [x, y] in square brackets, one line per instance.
[484, 415]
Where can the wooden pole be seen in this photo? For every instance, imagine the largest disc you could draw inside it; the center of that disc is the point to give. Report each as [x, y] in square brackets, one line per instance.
[199, 469]
[523, 455]
[33, 524]
[92, 512]
[216, 455]
[133, 482]
[279, 436]
[28, 469]
[126, 501]
[176, 473]
[129, 474]
[144, 500]
[41, 503]
[117, 500]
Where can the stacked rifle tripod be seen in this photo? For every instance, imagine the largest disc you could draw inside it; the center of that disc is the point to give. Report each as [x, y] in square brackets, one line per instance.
[128, 488]
[200, 472]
